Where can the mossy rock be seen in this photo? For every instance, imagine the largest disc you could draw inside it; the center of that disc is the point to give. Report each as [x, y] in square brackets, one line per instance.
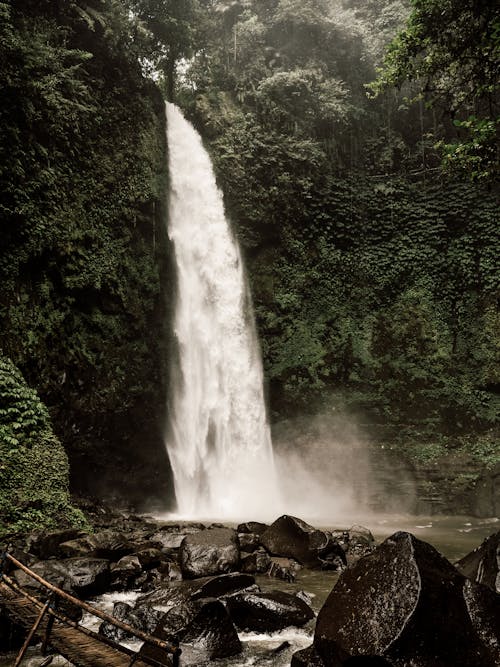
[34, 470]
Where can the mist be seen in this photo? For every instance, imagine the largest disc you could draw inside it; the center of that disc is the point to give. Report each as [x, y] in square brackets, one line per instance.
[330, 472]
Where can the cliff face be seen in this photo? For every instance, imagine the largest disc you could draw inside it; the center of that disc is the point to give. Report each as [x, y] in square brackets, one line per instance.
[84, 257]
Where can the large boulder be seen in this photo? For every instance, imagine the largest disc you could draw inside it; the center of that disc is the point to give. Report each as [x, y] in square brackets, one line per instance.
[105, 544]
[209, 552]
[268, 612]
[483, 564]
[124, 573]
[294, 538]
[84, 577]
[46, 545]
[202, 628]
[254, 527]
[407, 604]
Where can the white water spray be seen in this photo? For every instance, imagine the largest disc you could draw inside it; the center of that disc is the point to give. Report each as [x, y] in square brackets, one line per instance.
[218, 438]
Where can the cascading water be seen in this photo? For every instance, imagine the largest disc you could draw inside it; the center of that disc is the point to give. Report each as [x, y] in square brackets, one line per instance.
[218, 438]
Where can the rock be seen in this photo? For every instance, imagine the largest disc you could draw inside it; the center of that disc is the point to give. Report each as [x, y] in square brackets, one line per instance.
[252, 527]
[224, 584]
[483, 564]
[169, 540]
[203, 629]
[357, 532]
[249, 541]
[279, 571]
[149, 557]
[294, 538]
[484, 611]
[46, 545]
[406, 603]
[124, 573]
[158, 577]
[361, 541]
[257, 562]
[268, 612]
[209, 552]
[307, 657]
[106, 544]
[122, 612]
[166, 597]
[306, 597]
[84, 577]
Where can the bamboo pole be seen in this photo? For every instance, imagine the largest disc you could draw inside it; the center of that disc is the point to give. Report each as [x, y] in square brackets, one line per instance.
[31, 634]
[96, 612]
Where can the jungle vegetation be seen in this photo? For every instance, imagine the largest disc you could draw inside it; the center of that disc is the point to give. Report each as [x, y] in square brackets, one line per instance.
[356, 143]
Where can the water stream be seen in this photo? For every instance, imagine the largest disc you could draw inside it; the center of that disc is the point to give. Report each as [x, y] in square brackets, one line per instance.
[218, 438]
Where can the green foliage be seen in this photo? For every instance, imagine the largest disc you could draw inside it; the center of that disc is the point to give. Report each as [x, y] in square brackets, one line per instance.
[451, 49]
[82, 177]
[373, 273]
[33, 465]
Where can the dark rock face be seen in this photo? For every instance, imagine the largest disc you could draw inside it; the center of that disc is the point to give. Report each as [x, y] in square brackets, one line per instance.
[406, 603]
[294, 538]
[257, 562]
[125, 572]
[83, 577]
[249, 541]
[203, 629]
[46, 545]
[268, 612]
[121, 611]
[252, 527]
[106, 544]
[483, 564]
[209, 552]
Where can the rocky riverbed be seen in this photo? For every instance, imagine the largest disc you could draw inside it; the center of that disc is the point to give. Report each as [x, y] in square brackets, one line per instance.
[257, 594]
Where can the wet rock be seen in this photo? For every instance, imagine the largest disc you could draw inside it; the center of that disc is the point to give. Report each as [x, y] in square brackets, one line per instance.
[84, 577]
[158, 577]
[46, 545]
[361, 541]
[122, 612]
[278, 571]
[125, 572]
[252, 527]
[257, 562]
[268, 612]
[307, 657]
[106, 544]
[149, 557]
[405, 603]
[204, 630]
[294, 538]
[224, 584]
[166, 597]
[209, 552]
[249, 541]
[483, 564]
[483, 606]
[168, 540]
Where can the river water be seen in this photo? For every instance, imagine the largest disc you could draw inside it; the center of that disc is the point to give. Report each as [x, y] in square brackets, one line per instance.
[454, 537]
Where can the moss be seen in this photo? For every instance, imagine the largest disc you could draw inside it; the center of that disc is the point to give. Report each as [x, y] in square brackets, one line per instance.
[34, 470]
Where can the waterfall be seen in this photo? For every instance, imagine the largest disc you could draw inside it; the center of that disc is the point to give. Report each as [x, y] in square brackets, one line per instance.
[218, 437]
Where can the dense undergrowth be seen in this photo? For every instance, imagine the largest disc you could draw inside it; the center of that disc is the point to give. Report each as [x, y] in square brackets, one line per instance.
[83, 251]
